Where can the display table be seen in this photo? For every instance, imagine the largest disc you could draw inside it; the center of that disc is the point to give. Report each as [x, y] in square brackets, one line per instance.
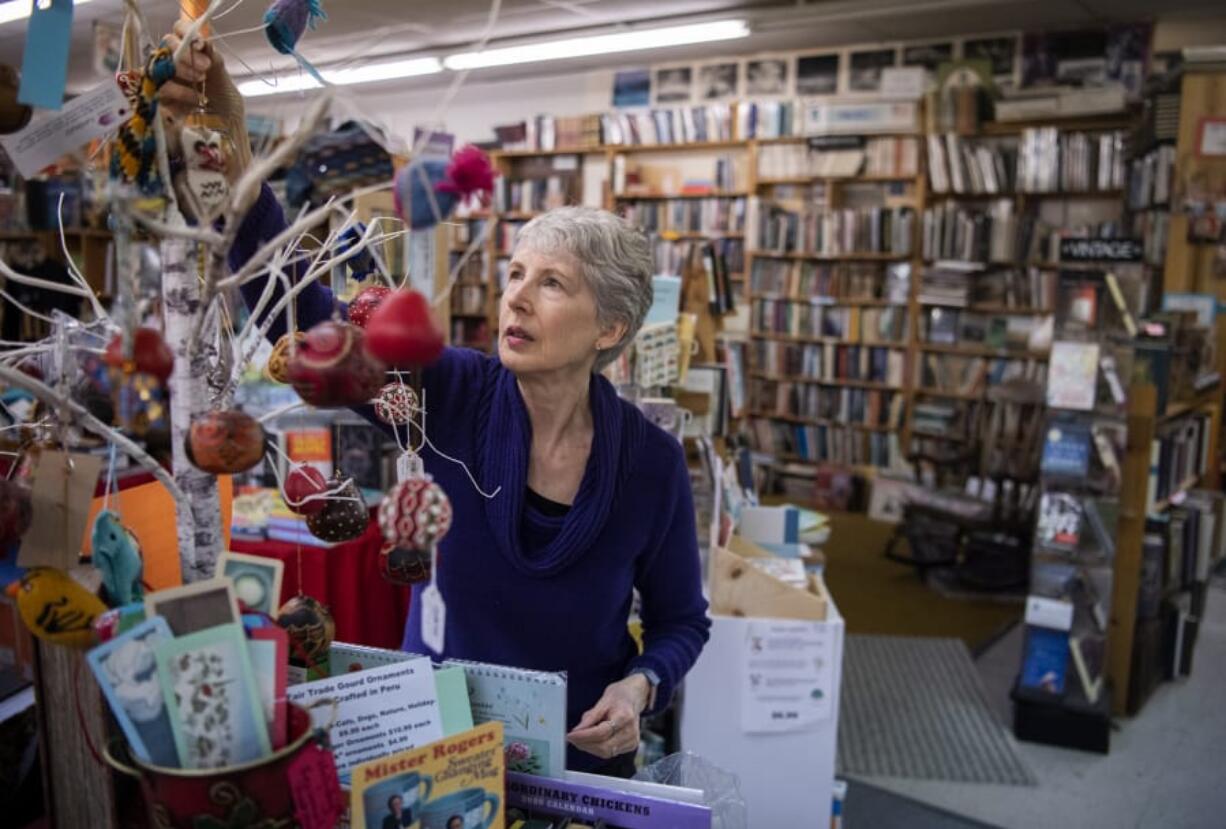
[367, 609]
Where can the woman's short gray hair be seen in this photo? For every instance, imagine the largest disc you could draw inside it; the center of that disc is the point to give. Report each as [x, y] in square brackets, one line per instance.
[615, 258]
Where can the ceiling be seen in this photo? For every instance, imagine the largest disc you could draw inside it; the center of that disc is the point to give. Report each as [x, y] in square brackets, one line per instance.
[357, 30]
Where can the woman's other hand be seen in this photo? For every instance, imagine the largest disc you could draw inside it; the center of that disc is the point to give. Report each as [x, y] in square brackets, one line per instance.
[610, 728]
[181, 95]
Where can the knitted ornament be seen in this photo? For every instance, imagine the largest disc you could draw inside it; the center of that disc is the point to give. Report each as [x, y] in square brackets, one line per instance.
[150, 354]
[468, 172]
[415, 514]
[403, 566]
[16, 511]
[332, 369]
[277, 368]
[401, 333]
[344, 516]
[365, 303]
[286, 21]
[301, 483]
[311, 630]
[225, 442]
[134, 159]
[395, 404]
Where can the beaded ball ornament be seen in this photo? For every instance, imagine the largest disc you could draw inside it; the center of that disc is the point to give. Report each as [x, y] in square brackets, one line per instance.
[415, 514]
[396, 404]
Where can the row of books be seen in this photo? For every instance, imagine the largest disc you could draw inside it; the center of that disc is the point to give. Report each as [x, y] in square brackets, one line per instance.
[844, 280]
[473, 268]
[814, 362]
[471, 332]
[1050, 161]
[810, 401]
[505, 233]
[957, 284]
[831, 443]
[877, 157]
[963, 375]
[1153, 228]
[948, 326]
[835, 232]
[818, 317]
[958, 165]
[1178, 457]
[468, 299]
[536, 194]
[1151, 177]
[548, 132]
[710, 216]
[980, 234]
[1180, 548]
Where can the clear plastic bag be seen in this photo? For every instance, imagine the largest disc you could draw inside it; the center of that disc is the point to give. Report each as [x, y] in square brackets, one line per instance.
[721, 789]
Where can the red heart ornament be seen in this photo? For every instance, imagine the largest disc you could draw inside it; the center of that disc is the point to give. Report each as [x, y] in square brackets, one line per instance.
[301, 483]
[332, 369]
[150, 354]
[401, 333]
[365, 303]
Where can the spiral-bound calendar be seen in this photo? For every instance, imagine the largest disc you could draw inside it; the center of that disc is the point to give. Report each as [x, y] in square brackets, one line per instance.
[531, 705]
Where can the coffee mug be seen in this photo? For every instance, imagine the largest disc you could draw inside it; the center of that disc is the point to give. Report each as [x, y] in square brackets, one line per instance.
[464, 809]
[408, 787]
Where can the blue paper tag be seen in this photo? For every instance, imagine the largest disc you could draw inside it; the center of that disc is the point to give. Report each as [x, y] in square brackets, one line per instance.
[44, 67]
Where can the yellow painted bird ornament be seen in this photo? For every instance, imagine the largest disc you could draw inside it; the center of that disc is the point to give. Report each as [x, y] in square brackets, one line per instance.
[55, 608]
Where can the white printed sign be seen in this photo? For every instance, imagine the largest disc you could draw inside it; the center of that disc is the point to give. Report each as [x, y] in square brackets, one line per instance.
[787, 675]
[379, 712]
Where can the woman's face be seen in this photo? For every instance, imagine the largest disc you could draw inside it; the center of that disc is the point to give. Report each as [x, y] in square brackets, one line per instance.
[547, 317]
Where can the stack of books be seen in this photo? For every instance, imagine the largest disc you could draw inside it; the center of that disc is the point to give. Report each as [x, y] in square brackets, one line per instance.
[947, 283]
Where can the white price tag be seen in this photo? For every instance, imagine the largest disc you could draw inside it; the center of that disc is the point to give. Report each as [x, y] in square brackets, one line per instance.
[93, 114]
[433, 618]
[408, 466]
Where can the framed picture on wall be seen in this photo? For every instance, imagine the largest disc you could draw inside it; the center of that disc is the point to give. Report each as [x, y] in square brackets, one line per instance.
[817, 74]
[632, 88]
[766, 76]
[866, 66]
[719, 81]
[674, 84]
[927, 55]
[1001, 52]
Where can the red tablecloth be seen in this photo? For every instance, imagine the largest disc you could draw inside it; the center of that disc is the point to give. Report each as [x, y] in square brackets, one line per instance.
[368, 610]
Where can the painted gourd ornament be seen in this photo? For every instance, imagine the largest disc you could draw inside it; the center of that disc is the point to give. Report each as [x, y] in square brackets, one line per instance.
[225, 442]
[365, 303]
[277, 369]
[333, 370]
[396, 404]
[311, 630]
[15, 511]
[403, 566]
[401, 333]
[344, 516]
[416, 514]
[301, 482]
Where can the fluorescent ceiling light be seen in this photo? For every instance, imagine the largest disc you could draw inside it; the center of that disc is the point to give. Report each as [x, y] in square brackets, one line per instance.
[386, 71]
[21, 9]
[578, 47]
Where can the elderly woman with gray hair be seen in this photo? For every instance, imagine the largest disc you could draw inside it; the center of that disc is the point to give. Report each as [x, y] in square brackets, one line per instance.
[593, 501]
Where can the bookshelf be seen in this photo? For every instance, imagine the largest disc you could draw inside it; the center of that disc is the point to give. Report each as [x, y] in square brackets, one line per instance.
[826, 226]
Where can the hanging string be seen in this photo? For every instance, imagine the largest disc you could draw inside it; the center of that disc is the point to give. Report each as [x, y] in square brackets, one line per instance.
[426, 439]
[333, 494]
[110, 480]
